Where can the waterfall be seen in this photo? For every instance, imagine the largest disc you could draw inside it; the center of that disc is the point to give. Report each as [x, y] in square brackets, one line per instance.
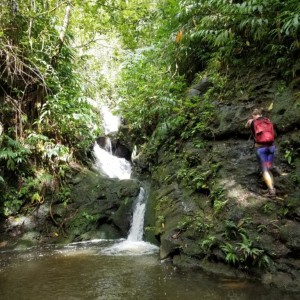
[108, 145]
[105, 162]
[134, 245]
[110, 122]
[114, 167]
[137, 224]
[110, 165]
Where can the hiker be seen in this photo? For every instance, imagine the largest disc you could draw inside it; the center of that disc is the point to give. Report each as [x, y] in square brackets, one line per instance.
[263, 133]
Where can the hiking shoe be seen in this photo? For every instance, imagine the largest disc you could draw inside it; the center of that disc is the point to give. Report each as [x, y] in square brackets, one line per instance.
[271, 193]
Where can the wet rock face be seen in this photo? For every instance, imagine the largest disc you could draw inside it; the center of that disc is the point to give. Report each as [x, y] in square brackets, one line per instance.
[208, 200]
[104, 202]
[90, 207]
[199, 88]
[290, 235]
[117, 148]
[121, 151]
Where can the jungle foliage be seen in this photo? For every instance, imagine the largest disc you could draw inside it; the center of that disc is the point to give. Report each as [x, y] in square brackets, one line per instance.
[50, 68]
[198, 39]
[49, 73]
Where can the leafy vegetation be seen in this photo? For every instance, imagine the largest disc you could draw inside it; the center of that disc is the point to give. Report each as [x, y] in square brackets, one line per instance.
[211, 37]
[46, 116]
[245, 254]
[196, 222]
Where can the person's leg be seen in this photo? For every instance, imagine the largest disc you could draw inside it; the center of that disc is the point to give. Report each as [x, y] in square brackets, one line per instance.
[268, 178]
[268, 164]
[263, 155]
[269, 157]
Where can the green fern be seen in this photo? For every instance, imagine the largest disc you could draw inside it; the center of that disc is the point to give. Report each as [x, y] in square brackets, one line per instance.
[13, 153]
[230, 253]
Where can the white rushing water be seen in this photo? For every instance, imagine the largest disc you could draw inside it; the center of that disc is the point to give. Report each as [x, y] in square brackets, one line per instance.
[137, 224]
[111, 122]
[109, 165]
[134, 244]
[105, 162]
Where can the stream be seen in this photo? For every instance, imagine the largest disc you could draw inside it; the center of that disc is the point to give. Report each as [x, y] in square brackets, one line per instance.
[87, 270]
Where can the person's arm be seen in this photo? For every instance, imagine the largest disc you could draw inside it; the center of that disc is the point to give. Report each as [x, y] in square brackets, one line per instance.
[248, 124]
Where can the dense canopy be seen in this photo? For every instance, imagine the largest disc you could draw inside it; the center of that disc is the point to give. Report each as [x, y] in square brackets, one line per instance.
[59, 60]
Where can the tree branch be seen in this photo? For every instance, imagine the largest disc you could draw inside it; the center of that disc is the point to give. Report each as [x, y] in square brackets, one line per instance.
[62, 34]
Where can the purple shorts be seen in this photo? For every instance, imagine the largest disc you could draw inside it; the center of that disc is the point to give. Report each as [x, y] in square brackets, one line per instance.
[265, 156]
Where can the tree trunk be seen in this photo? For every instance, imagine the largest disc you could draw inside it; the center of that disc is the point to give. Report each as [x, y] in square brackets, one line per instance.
[62, 35]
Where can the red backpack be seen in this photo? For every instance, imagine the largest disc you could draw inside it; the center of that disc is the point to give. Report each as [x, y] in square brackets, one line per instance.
[263, 131]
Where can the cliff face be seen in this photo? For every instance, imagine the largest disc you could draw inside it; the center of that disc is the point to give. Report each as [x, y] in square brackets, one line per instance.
[89, 206]
[206, 201]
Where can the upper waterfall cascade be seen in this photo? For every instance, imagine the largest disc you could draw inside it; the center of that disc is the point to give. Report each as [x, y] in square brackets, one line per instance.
[111, 166]
[105, 162]
[111, 122]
